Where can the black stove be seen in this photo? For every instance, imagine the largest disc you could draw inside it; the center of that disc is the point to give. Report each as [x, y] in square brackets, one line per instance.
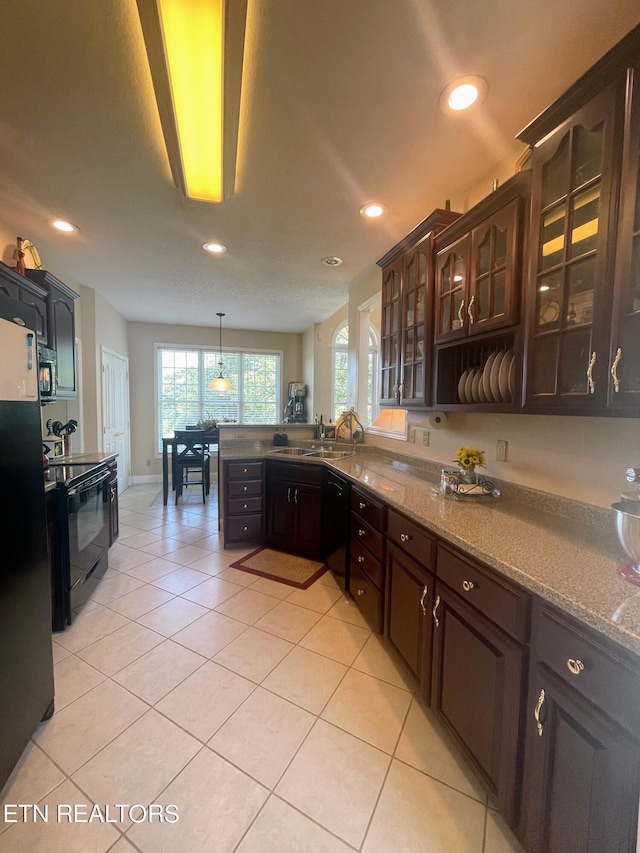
[72, 475]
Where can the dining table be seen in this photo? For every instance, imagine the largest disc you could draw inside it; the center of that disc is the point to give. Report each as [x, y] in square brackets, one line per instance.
[170, 442]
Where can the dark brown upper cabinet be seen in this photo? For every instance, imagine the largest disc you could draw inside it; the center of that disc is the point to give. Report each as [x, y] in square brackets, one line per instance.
[407, 315]
[582, 349]
[478, 284]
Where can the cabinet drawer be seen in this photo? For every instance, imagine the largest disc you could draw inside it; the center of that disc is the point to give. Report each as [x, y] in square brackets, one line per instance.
[368, 536]
[240, 488]
[241, 528]
[367, 598]
[372, 511]
[295, 473]
[244, 470]
[412, 538]
[244, 506]
[367, 562]
[500, 601]
[596, 672]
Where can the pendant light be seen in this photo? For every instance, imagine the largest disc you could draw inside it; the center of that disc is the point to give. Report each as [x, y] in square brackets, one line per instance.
[220, 383]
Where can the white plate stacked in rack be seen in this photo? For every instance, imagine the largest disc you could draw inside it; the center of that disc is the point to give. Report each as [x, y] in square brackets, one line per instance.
[491, 383]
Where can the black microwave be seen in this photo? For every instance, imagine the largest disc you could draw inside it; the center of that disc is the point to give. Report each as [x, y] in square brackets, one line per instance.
[47, 374]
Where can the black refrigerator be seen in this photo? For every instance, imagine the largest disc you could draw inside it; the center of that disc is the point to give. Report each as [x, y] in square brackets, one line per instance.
[26, 663]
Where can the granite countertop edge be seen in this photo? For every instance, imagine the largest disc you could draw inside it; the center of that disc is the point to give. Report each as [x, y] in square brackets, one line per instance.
[572, 562]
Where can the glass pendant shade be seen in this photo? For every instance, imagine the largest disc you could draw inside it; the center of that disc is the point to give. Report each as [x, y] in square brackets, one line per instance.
[220, 383]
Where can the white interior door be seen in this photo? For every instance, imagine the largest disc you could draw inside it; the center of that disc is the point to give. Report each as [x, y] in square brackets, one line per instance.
[115, 412]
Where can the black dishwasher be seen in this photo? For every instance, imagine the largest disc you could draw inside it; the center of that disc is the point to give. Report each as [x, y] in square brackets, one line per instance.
[335, 526]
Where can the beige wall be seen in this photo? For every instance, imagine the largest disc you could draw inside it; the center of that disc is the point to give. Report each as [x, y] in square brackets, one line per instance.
[143, 336]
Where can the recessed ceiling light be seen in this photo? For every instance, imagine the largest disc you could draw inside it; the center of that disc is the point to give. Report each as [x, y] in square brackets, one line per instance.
[373, 209]
[63, 225]
[332, 262]
[214, 248]
[462, 94]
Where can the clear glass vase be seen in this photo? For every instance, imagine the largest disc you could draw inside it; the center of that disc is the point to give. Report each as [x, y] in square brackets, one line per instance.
[468, 475]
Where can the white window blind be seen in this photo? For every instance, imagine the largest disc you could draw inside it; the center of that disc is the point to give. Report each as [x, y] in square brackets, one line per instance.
[183, 375]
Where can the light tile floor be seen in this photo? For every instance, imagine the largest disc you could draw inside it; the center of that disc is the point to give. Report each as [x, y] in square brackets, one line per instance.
[271, 717]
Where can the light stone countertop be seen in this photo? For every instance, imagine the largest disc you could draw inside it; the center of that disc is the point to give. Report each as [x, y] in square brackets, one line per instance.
[569, 561]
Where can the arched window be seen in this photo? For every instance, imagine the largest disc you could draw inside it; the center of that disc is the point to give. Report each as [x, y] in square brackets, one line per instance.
[339, 370]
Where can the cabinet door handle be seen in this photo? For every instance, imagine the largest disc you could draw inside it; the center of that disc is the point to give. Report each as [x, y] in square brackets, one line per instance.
[405, 537]
[361, 591]
[245, 528]
[361, 559]
[289, 495]
[361, 532]
[575, 666]
[614, 370]
[425, 592]
[435, 611]
[470, 308]
[244, 470]
[362, 505]
[461, 312]
[536, 712]
[295, 496]
[467, 586]
[592, 384]
[244, 488]
[246, 506]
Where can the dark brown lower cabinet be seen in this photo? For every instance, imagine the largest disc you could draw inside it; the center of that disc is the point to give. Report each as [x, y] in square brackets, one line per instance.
[294, 508]
[582, 751]
[580, 791]
[477, 682]
[410, 597]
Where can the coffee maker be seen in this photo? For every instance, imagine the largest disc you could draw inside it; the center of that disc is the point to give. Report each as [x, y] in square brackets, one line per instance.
[295, 410]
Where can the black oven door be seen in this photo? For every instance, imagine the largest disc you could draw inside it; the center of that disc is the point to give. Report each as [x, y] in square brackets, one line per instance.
[88, 513]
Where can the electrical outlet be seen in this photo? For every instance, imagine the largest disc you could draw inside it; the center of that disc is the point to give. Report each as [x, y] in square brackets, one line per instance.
[412, 435]
[425, 438]
[501, 451]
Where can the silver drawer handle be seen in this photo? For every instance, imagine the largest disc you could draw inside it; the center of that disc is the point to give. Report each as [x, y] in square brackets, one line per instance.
[467, 586]
[244, 470]
[245, 528]
[435, 611]
[360, 592]
[361, 532]
[246, 506]
[575, 667]
[362, 505]
[244, 488]
[405, 537]
[361, 559]
[425, 592]
[536, 712]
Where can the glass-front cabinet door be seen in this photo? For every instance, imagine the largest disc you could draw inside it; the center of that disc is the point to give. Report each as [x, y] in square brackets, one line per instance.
[624, 357]
[413, 388]
[391, 333]
[451, 300]
[493, 299]
[570, 287]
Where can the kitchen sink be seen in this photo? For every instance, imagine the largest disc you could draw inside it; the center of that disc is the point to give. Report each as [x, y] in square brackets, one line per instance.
[330, 454]
[290, 451]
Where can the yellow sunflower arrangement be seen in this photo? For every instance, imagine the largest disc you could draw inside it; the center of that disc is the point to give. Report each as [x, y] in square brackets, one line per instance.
[469, 457]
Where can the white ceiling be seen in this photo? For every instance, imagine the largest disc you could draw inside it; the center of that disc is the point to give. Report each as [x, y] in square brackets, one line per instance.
[340, 107]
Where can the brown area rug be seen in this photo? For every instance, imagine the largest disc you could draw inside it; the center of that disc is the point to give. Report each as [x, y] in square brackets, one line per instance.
[286, 568]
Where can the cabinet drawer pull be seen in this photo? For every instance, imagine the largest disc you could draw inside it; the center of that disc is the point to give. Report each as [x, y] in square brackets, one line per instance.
[467, 586]
[536, 712]
[361, 559]
[405, 537]
[575, 667]
[244, 470]
[362, 505]
[245, 528]
[461, 312]
[469, 309]
[289, 495]
[361, 591]
[614, 370]
[425, 592]
[361, 532]
[592, 384]
[295, 496]
[246, 506]
[435, 611]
